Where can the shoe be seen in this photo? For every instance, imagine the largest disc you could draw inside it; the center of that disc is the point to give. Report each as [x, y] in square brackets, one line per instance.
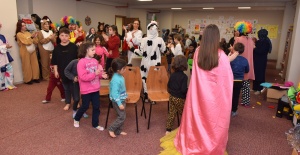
[63, 100]
[76, 124]
[257, 92]
[85, 115]
[74, 113]
[45, 101]
[29, 83]
[247, 106]
[146, 100]
[153, 102]
[100, 128]
[233, 114]
[36, 81]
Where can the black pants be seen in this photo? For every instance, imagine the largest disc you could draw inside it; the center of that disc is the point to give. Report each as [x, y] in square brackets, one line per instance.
[108, 63]
[256, 85]
[71, 90]
[237, 85]
[86, 100]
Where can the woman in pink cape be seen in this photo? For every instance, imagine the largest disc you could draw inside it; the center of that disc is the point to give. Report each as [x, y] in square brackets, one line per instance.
[206, 115]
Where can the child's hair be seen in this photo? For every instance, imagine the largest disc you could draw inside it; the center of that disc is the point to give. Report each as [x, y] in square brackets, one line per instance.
[179, 38]
[114, 28]
[239, 47]
[83, 49]
[101, 38]
[180, 63]
[64, 30]
[116, 64]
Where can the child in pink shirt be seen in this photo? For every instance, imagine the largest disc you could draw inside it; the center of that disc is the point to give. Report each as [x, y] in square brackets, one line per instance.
[100, 48]
[89, 74]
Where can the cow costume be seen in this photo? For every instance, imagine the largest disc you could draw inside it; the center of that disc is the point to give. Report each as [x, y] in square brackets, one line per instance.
[150, 49]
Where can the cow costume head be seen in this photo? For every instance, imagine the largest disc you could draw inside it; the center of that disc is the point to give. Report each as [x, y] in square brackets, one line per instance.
[152, 30]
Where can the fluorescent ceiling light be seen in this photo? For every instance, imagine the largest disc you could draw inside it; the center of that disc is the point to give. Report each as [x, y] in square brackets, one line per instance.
[208, 8]
[244, 7]
[176, 8]
[144, 0]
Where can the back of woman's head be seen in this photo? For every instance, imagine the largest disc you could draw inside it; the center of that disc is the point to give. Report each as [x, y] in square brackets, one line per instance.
[116, 64]
[208, 55]
[83, 49]
[180, 63]
[18, 28]
[114, 28]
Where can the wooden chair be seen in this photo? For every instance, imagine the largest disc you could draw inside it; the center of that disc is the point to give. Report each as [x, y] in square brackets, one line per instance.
[157, 81]
[136, 61]
[133, 82]
[104, 91]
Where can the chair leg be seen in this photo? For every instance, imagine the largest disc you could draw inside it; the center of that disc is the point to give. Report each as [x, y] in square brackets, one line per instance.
[108, 109]
[136, 119]
[149, 116]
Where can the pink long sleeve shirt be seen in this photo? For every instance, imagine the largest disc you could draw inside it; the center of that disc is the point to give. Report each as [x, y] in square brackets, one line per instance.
[101, 51]
[89, 82]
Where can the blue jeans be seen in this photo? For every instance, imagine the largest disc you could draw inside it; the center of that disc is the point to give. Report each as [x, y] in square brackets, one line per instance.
[86, 99]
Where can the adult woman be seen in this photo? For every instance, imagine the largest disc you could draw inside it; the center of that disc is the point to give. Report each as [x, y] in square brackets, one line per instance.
[91, 35]
[46, 40]
[26, 41]
[260, 58]
[244, 28]
[133, 38]
[206, 114]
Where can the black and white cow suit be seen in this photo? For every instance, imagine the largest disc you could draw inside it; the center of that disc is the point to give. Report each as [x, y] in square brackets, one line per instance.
[150, 49]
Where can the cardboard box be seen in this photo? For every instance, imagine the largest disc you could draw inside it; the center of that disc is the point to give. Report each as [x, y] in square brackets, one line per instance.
[273, 95]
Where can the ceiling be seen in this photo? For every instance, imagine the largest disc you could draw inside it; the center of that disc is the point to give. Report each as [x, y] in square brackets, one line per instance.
[189, 5]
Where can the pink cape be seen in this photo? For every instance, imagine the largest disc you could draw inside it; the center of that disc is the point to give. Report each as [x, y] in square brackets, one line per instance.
[206, 114]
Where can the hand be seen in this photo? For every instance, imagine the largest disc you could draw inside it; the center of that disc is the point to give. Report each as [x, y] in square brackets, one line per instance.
[110, 52]
[104, 75]
[233, 55]
[33, 35]
[75, 79]
[56, 75]
[121, 107]
[8, 46]
[124, 27]
[97, 72]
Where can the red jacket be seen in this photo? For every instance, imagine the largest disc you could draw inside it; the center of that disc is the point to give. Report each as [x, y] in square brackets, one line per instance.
[113, 44]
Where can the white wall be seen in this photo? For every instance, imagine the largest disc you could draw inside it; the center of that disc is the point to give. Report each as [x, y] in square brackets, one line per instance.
[165, 20]
[23, 6]
[293, 71]
[9, 18]
[263, 17]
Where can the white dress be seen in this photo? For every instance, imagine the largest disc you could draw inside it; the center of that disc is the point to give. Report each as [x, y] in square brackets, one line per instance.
[136, 41]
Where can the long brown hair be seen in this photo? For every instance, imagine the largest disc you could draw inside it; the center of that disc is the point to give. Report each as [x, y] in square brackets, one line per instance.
[18, 28]
[179, 38]
[208, 57]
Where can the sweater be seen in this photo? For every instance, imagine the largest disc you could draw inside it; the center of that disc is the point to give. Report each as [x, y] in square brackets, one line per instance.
[113, 44]
[101, 51]
[89, 82]
[239, 67]
[71, 70]
[117, 89]
[177, 85]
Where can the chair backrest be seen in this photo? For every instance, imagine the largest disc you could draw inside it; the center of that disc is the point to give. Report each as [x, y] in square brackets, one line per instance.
[136, 61]
[157, 79]
[104, 89]
[133, 80]
[164, 61]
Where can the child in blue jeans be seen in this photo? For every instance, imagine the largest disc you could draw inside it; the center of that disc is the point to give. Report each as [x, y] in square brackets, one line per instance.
[239, 67]
[118, 96]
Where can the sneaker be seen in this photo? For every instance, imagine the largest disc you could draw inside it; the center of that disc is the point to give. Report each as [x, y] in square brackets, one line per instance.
[233, 114]
[247, 106]
[76, 124]
[85, 115]
[257, 92]
[74, 113]
[63, 100]
[45, 101]
[146, 100]
[153, 102]
[100, 128]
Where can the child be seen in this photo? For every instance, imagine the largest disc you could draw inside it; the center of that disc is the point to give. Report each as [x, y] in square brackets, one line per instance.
[71, 74]
[89, 74]
[239, 67]
[54, 82]
[113, 44]
[177, 87]
[178, 45]
[169, 53]
[62, 55]
[117, 96]
[100, 49]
